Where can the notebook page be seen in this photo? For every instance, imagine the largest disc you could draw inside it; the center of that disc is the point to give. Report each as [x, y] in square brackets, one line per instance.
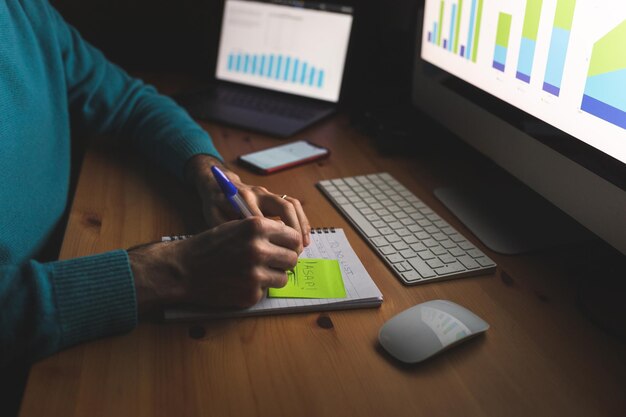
[327, 244]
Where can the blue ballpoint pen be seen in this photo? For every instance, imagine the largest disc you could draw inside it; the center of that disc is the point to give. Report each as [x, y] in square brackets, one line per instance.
[231, 193]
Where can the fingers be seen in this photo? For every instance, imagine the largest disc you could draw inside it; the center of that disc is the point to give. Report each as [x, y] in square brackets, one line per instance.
[284, 236]
[305, 227]
[290, 211]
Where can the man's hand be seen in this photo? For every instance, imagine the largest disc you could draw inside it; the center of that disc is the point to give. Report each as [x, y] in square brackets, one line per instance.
[218, 210]
[228, 266]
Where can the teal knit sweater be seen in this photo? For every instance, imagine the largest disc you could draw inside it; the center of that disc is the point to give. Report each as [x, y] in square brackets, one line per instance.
[47, 73]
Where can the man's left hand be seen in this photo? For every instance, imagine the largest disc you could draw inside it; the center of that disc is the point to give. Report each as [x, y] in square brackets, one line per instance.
[217, 209]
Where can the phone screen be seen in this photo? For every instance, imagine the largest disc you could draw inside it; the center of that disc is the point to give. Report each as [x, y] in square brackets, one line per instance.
[282, 155]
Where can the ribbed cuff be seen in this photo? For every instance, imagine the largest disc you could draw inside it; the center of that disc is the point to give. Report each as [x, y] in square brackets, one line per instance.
[95, 296]
[186, 146]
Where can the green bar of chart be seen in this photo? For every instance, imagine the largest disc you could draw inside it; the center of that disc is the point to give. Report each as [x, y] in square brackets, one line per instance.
[458, 27]
[440, 23]
[558, 46]
[479, 19]
[503, 35]
[529, 39]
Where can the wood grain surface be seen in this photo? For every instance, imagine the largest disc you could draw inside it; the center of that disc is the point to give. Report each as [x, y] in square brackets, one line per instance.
[541, 356]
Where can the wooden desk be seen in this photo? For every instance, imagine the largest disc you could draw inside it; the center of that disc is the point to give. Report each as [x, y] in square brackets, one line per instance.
[541, 357]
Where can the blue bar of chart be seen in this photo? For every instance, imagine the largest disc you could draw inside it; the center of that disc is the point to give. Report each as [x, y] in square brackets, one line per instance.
[277, 67]
[529, 40]
[558, 46]
[450, 40]
[502, 41]
[452, 27]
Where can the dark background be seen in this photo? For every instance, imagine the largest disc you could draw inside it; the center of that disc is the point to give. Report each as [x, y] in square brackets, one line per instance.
[181, 36]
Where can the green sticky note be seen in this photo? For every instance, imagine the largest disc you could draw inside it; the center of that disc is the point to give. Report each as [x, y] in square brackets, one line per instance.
[312, 278]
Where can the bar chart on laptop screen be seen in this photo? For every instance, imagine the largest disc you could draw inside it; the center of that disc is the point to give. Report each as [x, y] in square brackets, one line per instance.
[290, 49]
[562, 61]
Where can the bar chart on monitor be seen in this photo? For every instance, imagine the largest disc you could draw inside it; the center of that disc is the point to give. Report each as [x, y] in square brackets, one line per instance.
[560, 60]
[290, 49]
[456, 27]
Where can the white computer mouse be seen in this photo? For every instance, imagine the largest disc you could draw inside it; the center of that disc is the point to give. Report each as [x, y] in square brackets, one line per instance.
[427, 329]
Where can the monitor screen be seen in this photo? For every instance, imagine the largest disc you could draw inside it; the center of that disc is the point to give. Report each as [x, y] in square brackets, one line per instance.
[562, 61]
[287, 46]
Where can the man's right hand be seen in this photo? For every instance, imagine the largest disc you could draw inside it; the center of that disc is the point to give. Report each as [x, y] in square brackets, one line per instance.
[230, 265]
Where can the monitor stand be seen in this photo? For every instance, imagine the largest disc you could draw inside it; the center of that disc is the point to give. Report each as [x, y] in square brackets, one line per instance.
[511, 219]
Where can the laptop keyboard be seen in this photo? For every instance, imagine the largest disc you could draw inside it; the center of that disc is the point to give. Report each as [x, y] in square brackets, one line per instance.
[417, 244]
[265, 104]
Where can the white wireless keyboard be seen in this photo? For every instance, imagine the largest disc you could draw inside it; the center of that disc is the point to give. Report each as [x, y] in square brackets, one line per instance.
[417, 244]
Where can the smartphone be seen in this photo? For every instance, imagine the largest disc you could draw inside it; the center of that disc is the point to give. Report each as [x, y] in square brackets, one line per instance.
[284, 156]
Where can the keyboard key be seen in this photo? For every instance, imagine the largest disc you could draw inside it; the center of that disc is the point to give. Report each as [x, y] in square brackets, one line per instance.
[468, 262]
[409, 238]
[404, 232]
[465, 245]
[457, 252]
[407, 266]
[408, 254]
[401, 215]
[439, 251]
[361, 221]
[411, 276]
[430, 243]
[400, 245]
[396, 225]
[450, 269]
[385, 230]
[448, 230]
[392, 238]
[414, 228]
[457, 238]
[484, 261]
[432, 229]
[435, 263]
[399, 267]
[426, 254]
[446, 258]
[448, 244]
[387, 250]
[418, 247]
[395, 257]
[407, 221]
[422, 268]
[475, 253]
[379, 241]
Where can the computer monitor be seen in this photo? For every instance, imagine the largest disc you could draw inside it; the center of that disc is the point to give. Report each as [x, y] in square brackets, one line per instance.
[539, 87]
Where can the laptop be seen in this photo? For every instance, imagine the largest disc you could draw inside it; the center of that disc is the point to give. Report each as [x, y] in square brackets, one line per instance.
[279, 68]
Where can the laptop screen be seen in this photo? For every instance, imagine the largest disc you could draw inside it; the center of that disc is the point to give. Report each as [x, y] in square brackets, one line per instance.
[287, 46]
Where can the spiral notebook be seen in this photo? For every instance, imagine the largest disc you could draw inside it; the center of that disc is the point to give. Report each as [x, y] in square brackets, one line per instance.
[326, 243]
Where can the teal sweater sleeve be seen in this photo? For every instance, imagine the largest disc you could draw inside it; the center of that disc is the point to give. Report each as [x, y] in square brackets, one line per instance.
[47, 73]
[109, 101]
[46, 307]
